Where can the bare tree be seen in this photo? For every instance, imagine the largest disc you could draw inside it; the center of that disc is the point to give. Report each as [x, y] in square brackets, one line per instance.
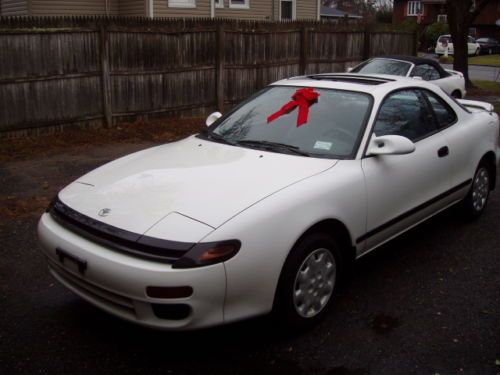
[461, 15]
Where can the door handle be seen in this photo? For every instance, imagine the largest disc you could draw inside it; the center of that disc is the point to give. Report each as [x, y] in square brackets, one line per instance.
[443, 151]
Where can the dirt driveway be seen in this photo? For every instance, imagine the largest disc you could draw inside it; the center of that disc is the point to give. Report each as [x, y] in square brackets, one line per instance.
[428, 303]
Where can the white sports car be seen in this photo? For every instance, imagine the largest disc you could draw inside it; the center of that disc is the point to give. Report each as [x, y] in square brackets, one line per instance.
[451, 81]
[263, 211]
[444, 45]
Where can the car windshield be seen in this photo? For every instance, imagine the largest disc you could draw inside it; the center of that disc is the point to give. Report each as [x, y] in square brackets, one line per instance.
[297, 120]
[383, 66]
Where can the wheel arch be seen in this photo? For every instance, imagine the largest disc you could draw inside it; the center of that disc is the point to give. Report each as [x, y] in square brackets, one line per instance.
[338, 230]
[490, 160]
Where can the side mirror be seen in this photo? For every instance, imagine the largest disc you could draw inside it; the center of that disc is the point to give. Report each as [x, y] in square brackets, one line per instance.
[390, 145]
[349, 70]
[212, 118]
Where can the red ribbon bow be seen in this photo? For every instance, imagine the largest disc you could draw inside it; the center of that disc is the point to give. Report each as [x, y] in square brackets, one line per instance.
[303, 98]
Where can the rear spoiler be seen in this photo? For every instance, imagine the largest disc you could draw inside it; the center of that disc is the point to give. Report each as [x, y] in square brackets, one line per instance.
[475, 105]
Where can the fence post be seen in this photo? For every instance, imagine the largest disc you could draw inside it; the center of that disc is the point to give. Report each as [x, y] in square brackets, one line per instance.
[219, 68]
[366, 45]
[105, 77]
[304, 48]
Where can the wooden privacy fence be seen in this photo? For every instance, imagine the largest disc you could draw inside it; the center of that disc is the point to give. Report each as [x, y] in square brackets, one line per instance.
[87, 71]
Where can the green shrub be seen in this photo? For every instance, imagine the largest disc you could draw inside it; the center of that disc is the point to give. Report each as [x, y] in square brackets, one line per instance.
[408, 25]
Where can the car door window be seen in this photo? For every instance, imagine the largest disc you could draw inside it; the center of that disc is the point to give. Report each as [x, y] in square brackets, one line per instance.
[444, 114]
[426, 71]
[405, 113]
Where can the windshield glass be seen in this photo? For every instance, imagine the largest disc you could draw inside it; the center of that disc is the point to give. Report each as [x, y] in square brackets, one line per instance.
[383, 66]
[312, 122]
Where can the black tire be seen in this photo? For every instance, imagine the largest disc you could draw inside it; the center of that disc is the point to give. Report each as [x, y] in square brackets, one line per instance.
[288, 296]
[476, 200]
[456, 94]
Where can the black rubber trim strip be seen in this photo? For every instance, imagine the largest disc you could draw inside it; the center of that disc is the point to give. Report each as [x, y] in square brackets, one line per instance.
[133, 244]
[412, 211]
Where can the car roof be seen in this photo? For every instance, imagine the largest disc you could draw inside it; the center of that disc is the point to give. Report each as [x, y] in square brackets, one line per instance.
[373, 84]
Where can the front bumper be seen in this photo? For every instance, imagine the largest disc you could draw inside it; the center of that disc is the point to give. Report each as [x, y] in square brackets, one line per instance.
[117, 282]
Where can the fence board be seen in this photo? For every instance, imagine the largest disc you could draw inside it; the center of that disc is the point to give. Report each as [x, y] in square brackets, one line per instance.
[75, 70]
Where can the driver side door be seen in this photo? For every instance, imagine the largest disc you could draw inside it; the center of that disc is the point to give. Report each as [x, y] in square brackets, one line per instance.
[402, 190]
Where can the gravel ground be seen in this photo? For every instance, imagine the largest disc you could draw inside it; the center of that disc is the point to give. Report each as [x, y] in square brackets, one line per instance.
[427, 303]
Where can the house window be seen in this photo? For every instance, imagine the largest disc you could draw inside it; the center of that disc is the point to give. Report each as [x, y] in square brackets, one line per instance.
[414, 8]
[182, 3]
[242, 4]
[442, 17]
[287, 10]
[219, 3]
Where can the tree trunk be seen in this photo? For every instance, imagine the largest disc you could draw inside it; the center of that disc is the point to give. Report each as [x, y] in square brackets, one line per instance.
[461, 16]
[458, 11]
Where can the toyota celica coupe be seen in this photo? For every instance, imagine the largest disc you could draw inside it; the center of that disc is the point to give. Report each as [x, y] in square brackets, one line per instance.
[263, 212]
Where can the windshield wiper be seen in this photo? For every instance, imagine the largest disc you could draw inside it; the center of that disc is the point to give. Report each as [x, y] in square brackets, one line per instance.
[272, 146]
[218, 138]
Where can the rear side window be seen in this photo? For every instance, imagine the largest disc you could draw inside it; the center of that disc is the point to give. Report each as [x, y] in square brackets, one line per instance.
[444, 114]
[405, 113]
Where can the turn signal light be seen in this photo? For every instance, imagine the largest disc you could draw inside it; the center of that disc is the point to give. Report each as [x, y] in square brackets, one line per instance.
[204, 254]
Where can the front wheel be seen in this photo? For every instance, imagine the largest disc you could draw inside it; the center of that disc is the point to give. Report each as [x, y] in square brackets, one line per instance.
[477, 198]
[456, 94]
[308, 281]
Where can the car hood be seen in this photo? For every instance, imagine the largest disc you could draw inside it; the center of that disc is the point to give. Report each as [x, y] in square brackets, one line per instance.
[204, 181]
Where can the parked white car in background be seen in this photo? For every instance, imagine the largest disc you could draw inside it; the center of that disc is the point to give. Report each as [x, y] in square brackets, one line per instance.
[263, 211]
[450, 81]
[444, 43]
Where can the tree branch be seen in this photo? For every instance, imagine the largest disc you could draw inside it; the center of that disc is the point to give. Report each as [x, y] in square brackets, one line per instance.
[480, 5]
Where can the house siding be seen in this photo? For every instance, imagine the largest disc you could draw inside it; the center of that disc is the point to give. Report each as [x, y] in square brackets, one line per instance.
[202, 9]
[73, 7]
[132, 8]
[259, 10]
[307, 9]
[304, 9]
[13, 7]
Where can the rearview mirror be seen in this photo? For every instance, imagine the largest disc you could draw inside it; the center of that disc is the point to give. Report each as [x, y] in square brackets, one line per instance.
[390, 145]
[212, 118]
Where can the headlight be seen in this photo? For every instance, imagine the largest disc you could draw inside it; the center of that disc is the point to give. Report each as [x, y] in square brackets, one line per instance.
[204, 254]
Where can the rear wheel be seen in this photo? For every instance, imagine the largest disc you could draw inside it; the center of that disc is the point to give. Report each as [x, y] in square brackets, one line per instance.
[477, 198]
[308, 281]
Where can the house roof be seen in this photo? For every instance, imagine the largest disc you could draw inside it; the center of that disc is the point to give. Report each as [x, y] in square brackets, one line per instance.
[336, 13]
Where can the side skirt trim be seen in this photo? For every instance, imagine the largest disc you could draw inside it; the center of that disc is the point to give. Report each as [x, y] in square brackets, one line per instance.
[413, 211]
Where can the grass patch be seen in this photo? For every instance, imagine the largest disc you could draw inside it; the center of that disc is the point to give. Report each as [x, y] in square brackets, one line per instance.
[485, 60]
[493, 87]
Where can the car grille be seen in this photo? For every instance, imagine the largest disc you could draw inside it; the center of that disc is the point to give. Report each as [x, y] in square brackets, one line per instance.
[117, 239]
